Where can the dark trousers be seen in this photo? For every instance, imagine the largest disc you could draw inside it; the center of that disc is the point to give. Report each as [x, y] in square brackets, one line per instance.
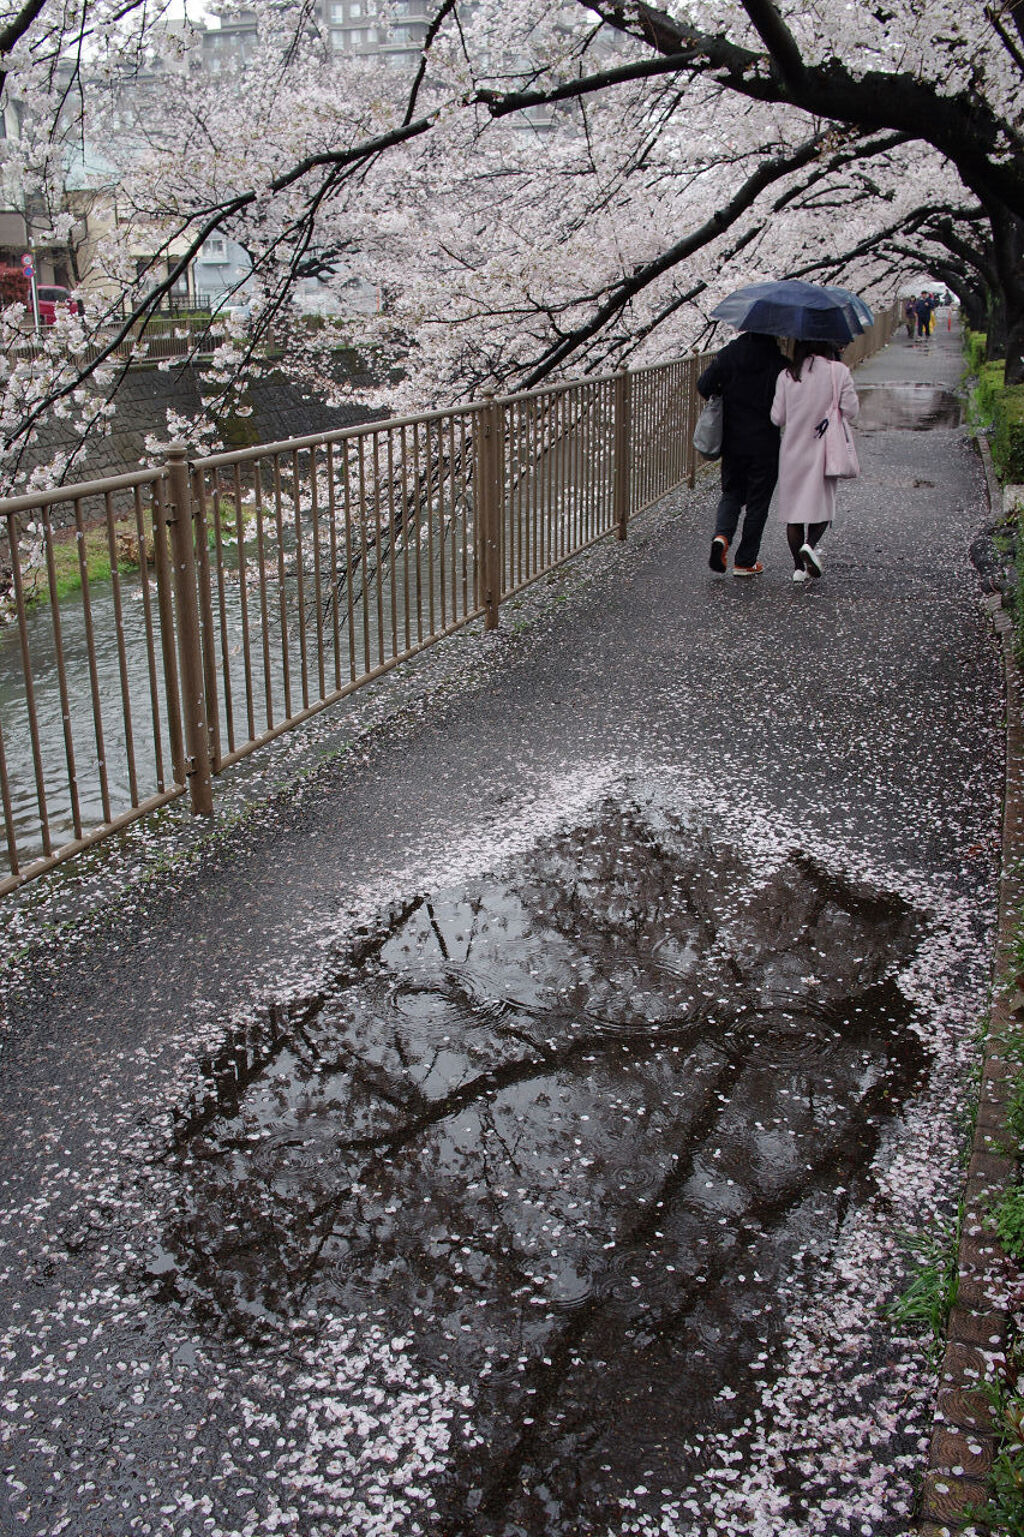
[747, 481]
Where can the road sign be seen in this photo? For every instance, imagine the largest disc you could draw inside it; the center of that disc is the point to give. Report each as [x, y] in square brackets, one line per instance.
[28, 265]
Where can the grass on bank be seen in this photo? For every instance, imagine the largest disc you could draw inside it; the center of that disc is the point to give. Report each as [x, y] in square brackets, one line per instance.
[998, 411]
[930, 1293]
[92, 549]
[95, 546]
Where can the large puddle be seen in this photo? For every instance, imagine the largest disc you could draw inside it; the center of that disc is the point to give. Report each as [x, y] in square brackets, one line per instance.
[907, 407]
[576, 1134]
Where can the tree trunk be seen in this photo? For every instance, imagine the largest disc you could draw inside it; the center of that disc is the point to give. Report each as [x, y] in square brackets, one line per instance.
[1015, 350]
[995, 327]
[974, 309]
[1006, 334]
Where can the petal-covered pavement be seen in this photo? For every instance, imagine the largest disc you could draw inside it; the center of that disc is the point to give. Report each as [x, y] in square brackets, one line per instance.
[520, 1123]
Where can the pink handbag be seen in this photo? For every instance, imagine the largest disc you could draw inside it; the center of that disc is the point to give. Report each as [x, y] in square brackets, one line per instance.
[841, 461]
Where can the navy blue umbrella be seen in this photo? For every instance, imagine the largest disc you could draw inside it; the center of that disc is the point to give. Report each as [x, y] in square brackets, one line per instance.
[792, 308]
[861, 308]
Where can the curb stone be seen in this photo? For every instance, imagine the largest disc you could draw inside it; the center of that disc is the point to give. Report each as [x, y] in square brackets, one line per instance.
[963, 1442]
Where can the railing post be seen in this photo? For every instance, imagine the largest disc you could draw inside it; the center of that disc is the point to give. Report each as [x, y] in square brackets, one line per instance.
[193, 687]
[489, 500]
[693, 405]
[622, 452]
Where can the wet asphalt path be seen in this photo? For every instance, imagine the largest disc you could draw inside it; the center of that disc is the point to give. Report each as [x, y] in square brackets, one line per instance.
[154, 1380]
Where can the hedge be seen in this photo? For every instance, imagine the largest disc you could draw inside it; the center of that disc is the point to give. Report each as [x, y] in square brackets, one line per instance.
[1001, 405]
[974, 350]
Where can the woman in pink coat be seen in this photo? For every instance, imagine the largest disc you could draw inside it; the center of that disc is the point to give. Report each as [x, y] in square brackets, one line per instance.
[802, 404]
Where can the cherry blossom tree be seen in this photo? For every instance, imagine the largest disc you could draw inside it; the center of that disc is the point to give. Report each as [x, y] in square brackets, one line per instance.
[555, 188]
[946, 75]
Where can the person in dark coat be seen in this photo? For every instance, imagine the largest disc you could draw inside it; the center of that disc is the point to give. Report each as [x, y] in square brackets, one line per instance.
[744, 374]
[923, 308]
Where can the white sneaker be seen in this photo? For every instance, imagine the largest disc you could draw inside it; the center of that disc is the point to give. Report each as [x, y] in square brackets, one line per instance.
[800, 576]
[811, 560]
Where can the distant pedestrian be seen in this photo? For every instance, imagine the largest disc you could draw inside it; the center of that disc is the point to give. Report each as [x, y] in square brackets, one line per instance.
[802, 406]
[744, 373]
[910, 316]
[923, 311]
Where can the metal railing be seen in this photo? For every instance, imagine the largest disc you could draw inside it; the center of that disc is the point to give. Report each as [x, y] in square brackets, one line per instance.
[187, 337]
[243, 592]
[874, 339]
[90, 689]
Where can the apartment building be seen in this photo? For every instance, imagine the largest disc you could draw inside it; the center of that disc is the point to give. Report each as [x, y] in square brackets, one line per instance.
[348, 28]
[355, 27]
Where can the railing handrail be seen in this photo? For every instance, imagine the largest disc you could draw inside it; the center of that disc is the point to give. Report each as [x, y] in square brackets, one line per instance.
[414, 419]
[80, 490]
[264, 595]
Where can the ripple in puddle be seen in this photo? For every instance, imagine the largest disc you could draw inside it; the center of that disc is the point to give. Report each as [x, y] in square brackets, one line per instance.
[571, 1131]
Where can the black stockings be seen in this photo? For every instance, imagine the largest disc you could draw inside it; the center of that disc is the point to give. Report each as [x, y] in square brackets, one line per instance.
[800, 534]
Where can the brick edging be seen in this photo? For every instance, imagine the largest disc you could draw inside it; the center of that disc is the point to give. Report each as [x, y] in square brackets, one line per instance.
[963, 1439]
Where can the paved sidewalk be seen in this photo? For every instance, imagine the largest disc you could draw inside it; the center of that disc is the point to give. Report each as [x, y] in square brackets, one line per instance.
[825, 760]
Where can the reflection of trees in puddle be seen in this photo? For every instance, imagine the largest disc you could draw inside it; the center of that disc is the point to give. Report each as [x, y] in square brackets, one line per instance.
[907, 407]
[572, 1131]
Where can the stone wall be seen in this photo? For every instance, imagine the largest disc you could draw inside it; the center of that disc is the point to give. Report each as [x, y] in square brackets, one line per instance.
[278, 410]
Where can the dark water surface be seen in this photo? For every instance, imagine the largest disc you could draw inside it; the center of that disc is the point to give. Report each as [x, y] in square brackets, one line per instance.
[907, 407]
[576, 1133]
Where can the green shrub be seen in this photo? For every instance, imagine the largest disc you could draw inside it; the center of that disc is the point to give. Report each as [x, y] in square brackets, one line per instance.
[1001, 407]
[1008, 437]
[1008, 1220]
[988, 387]
[1004, 1511]
[974, 350]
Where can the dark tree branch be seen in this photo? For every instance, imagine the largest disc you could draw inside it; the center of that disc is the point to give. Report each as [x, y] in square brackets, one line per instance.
[434, 28]
[340, 158]
[768, 172]
[504, 103]
[17, 27]
[1010, 43]
[779, 42]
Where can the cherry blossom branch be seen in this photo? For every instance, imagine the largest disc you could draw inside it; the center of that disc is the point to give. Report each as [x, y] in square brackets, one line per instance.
[964, 127]
[446, 9]
[768, 172]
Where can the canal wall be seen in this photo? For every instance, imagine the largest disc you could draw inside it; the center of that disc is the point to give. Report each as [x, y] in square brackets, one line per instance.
[274, 408]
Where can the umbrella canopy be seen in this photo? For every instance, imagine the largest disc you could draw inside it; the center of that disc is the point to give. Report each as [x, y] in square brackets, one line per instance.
[792, 308]
[861, 309]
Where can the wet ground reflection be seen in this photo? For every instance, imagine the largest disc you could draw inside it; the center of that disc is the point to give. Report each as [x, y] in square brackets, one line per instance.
[907, 407]
[571, 1133]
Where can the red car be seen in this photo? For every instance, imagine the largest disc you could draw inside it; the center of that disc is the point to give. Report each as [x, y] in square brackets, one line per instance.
[51, 299]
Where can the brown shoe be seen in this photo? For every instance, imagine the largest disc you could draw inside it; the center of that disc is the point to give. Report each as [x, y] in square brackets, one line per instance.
[754, 570]
[719, 550]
